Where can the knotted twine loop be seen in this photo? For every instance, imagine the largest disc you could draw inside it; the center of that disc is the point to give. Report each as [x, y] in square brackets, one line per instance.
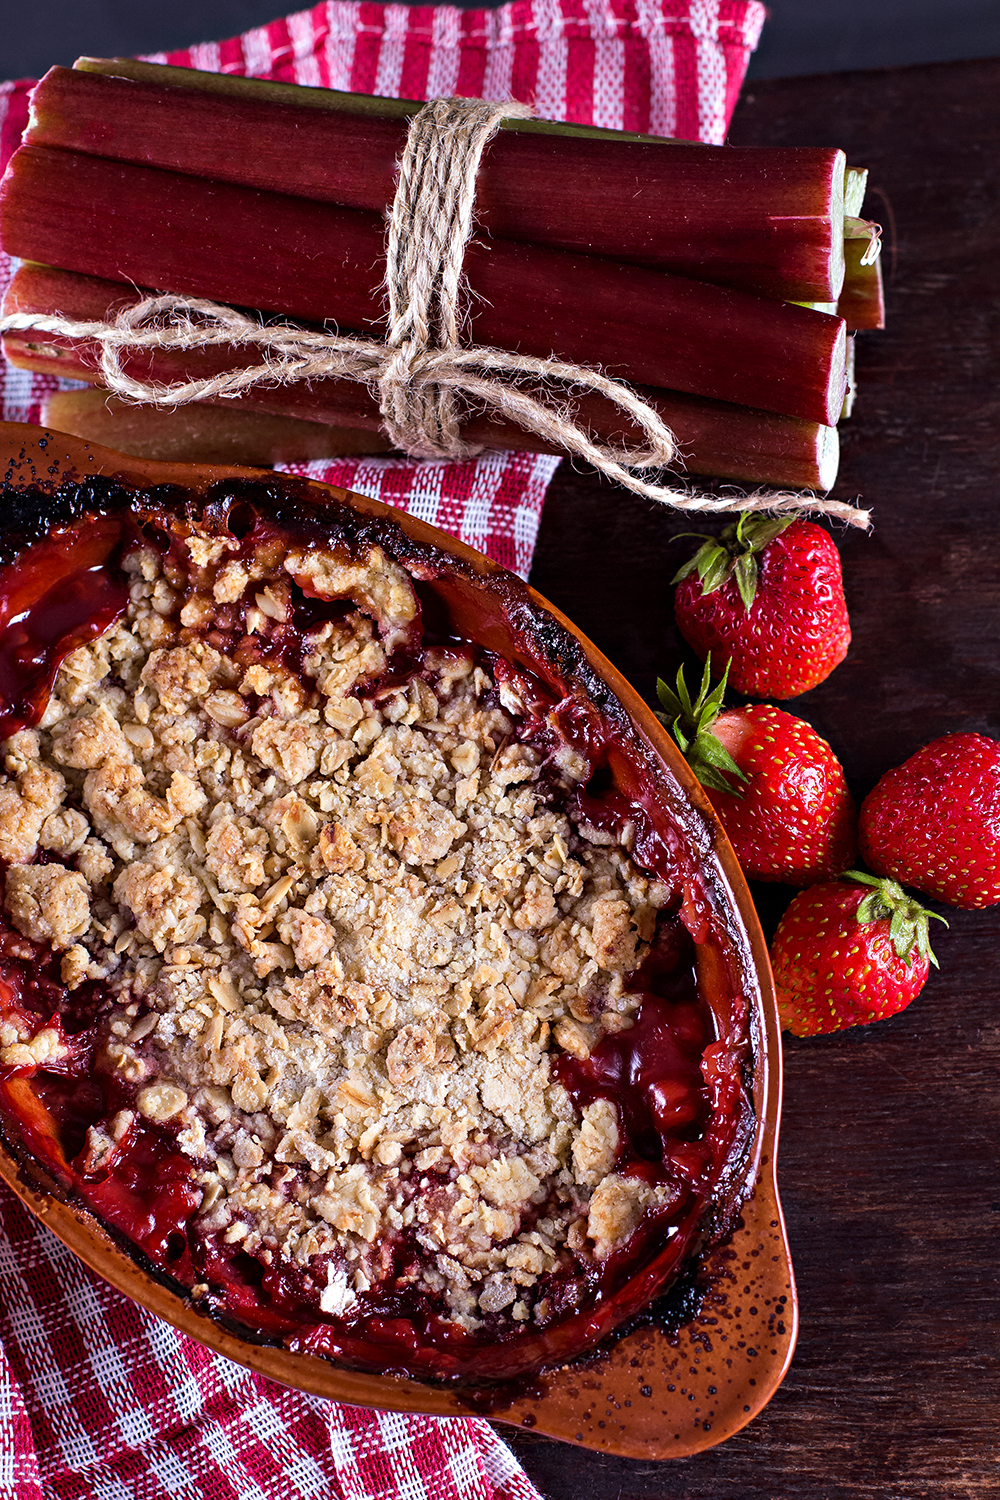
[429, 228]
[421, 369]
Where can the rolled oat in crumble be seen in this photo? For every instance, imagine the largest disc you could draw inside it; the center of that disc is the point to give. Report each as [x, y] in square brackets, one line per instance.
[345, 925]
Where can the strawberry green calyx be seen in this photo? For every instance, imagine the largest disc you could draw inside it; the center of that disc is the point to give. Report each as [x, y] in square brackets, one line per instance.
[733, 554]
[908, 920]
[691, 726]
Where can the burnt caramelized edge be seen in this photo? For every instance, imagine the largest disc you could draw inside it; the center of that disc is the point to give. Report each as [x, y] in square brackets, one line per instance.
[544, 645]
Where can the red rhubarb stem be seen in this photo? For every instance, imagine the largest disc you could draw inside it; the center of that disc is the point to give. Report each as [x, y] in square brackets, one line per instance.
[316, 261]
[732, 442]
[767, 220]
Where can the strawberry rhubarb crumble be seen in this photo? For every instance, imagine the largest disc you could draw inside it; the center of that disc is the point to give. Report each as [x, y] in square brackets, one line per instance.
[337, 974]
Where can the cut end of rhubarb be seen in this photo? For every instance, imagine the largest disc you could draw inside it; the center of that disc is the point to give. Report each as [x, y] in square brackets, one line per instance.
[855, 187]
[836, 389]
[852, 382]
[862, 302]
[827, 457]
[837, 196]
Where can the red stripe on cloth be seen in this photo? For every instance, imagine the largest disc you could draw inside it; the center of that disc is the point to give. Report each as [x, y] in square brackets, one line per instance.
[581, 78]
[13, 116]
[415, 64]
[454, 496]
[524, 69]
[688, 103]
[472, 56]
[636, 85]
[367, 45]
[281, 66]
[231, 56]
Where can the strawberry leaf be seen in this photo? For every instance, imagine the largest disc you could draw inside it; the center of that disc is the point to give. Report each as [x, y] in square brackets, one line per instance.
[745, 573]
[714, 570]
[733, 554]
[871, 910]
[711, 779]
[690, 723]
[902, 932]
[753, 531]
[684, 699]
[686, 569]
[669, 700]
[713, 765]
[684, 740]
[709, 544]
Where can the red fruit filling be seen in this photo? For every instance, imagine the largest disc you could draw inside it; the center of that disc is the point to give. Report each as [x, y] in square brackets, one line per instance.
[353, 973]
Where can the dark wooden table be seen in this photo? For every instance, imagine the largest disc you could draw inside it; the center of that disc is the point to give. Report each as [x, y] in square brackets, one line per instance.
[888, 1161]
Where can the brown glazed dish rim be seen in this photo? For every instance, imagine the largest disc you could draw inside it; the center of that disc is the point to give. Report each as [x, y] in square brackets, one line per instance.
[657, 1393]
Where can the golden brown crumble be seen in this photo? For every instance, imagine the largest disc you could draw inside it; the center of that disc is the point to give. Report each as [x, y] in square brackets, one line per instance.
[344, 930]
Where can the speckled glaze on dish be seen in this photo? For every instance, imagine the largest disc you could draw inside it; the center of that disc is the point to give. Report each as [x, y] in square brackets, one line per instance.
[655, 1394]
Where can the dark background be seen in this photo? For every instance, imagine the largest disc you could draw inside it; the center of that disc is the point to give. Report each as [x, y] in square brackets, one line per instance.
[802, 36]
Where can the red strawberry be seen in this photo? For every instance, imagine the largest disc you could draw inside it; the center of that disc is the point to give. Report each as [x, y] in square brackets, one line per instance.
[778, 788]
[844, 956]
[768, 595]
[934, 821]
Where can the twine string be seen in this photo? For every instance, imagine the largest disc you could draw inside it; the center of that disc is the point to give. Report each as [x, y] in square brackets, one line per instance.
[429, 228]
[422, 372]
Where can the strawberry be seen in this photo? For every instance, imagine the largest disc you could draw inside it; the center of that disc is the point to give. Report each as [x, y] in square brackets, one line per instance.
[934, 821]
[844, 955]
[777, 786]
[768, 595]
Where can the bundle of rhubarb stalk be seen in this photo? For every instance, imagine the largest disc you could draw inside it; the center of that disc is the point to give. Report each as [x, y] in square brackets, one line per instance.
[721, 283]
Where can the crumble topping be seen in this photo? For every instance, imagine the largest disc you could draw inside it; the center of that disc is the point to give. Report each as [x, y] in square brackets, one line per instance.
[345, 924]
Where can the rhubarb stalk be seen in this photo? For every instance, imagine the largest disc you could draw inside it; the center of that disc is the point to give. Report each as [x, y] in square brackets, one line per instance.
[201, 434]
[768, 221]
[862, 302]
[315, 261]
[728, 441]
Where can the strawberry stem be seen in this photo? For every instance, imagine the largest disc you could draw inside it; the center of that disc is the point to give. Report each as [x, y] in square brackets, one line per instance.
[690, 723]
[733, 554]
[908, 920]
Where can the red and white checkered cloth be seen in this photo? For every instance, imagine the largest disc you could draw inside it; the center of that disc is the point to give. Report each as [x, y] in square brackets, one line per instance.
[99, 1400]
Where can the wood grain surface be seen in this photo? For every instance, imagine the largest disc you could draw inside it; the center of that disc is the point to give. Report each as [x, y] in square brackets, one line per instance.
[888, 1160]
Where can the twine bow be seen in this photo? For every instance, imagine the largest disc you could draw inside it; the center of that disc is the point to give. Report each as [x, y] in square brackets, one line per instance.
[422, 369]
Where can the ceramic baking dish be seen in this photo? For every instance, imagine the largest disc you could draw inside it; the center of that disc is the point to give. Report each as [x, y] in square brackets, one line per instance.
[721, 1342]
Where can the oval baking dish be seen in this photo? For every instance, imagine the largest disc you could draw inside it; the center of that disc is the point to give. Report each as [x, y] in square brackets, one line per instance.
[383, 1004]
